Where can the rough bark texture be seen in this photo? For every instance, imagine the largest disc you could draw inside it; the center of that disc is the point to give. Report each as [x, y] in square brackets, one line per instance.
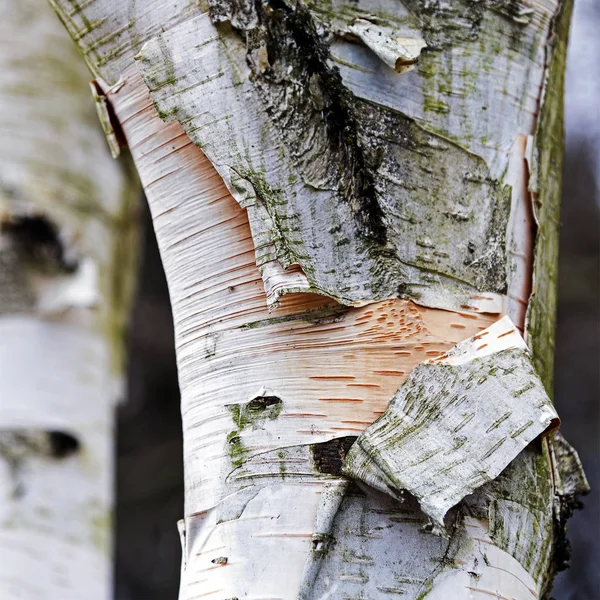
[426, 442]
[67, 250]
[393, 193]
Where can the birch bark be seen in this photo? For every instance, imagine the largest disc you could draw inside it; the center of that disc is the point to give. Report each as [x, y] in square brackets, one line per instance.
[67, 257]
[341, 193]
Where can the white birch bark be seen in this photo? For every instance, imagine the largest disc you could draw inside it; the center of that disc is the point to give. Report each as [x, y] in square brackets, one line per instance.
[383, 215]
[67, 256]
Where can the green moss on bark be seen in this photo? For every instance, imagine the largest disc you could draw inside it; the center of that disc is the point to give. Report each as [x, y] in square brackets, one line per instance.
[547, 188]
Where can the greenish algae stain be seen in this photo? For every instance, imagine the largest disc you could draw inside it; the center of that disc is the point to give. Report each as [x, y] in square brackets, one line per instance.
[251, 414]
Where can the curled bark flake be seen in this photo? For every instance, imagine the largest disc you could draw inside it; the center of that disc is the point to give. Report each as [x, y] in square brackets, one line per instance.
[108, 121]
[398, 53]
[456, 423]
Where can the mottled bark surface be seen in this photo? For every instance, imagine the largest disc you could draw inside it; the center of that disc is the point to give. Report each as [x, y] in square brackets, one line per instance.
[396, 192]
[150, 427]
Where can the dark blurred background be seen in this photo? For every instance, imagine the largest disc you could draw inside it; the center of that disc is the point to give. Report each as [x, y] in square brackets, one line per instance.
[150, 469]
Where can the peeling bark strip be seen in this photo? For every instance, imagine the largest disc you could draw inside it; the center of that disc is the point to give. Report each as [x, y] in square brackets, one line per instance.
[360, 183]
[545, 186]
[400, 54]
[67, 253]
[456, 424]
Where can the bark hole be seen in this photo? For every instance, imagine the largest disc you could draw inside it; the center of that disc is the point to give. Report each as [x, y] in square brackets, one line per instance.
[329, 456]
[38, 239]
[62, 444]
[261, 403]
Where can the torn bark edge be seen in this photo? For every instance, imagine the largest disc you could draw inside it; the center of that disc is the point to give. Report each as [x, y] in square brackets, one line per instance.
[569, 477]
[400, 54]
[278, 281]
[570, 483]
[183, 540]
[532, 162]
[108, 120]
[268, 245]
[367, 460]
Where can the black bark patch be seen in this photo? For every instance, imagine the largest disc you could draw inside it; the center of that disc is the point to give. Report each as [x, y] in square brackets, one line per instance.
[261, 403]
[62, 444]
[303, 94]
[329, 456]
[256, 412]
[358, 179]
[37, 238]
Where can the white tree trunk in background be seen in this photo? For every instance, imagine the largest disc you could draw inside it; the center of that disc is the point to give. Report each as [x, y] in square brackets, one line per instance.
[347, 200]
[67, 259]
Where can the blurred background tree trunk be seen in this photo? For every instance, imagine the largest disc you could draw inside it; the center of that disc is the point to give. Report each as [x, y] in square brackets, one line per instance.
[68, 247]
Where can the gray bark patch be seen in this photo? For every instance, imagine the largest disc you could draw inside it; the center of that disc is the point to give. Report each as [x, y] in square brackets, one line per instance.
[452, 428]
[368, 203]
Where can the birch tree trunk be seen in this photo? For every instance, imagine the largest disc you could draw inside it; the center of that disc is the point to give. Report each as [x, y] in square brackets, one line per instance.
[347, 200]
[67, 253]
